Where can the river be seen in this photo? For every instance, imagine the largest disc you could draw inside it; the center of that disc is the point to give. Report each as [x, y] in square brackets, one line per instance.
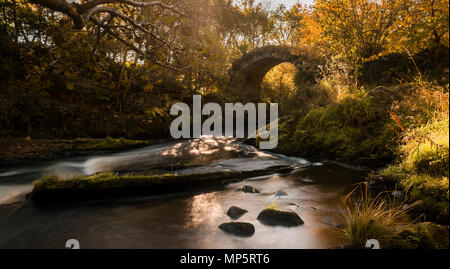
[185, 219]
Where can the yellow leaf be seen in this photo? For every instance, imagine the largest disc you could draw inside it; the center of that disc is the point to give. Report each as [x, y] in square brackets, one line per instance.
[169, 20]
[70, 85]
[148, 87]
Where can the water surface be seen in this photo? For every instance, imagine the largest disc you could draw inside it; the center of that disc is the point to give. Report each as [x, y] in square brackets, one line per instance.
[185, 219]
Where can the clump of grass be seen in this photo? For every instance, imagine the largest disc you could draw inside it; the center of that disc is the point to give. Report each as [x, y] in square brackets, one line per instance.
[272, 206]
[367, 217]
[396, 172]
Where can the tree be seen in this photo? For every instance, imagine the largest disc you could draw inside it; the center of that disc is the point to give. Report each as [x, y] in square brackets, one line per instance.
[146, 27]
[357, 29]
[83, 12]
[423, 24]
[243, 25]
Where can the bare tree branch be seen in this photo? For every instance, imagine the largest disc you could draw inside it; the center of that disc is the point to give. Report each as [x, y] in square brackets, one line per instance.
[91, 4]
[120, 22]
[81, 13]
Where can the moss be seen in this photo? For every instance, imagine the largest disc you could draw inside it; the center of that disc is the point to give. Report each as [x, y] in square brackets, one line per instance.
[107, 184]
[433, 192]
[285, 130]
[104, 144]
[422, 171]
[427, 149]
[425, 235]
[395, 171]
[332, 131]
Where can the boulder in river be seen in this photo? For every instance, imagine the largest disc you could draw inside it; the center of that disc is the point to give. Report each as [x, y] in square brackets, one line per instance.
[274, 217]
[249, 189]
[236, 212]
[238, 228]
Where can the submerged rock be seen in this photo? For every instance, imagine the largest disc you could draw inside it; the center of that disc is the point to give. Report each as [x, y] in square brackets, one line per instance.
[238, 228]
[249, 189]
[236, 212]
[275, 217]
[279, 194]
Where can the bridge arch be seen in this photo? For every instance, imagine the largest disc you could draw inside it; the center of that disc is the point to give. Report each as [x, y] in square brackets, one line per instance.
[247, 73]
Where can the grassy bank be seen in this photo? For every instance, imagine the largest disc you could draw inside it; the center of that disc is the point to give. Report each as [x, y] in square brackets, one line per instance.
[20, 149]
[339, 119]
[403, 126]
[388, 220]
[349, 128]
[422, 170]
[419, 175]
[103, 185]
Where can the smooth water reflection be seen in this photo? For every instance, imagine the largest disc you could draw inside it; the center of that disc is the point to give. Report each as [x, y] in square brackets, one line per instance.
[183, 220]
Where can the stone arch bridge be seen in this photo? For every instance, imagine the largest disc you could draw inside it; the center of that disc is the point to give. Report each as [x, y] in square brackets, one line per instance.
[247, 73]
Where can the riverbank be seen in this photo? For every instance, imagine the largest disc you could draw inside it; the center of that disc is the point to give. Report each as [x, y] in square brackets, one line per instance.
[189, 218]
[23, 150]
[400, 131]
[213, 172]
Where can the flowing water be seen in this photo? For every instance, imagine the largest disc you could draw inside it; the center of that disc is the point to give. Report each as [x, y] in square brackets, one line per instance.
[185, 219]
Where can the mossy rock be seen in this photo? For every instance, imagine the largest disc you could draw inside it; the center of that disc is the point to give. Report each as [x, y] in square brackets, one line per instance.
[426, 235]
[106, 144]
[274, 217]
[107, 184]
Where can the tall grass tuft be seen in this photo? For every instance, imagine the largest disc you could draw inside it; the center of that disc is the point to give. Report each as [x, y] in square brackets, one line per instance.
[368, 217]
[272, 206]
